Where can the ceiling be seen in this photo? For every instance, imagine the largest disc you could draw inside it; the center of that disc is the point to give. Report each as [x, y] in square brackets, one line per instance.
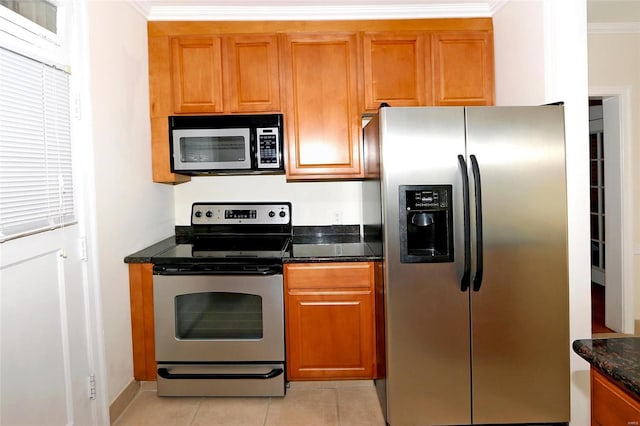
[227, 10]
[598, 11]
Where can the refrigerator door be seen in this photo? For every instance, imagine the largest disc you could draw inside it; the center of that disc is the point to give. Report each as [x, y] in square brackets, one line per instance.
[520, 315]
[427, 328]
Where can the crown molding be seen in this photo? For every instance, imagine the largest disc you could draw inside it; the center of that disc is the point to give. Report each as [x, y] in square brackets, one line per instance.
[613, 28]
[172, 12]
[141, 8]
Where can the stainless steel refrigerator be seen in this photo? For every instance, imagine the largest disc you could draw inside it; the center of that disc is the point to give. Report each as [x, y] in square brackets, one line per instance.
[469, 207]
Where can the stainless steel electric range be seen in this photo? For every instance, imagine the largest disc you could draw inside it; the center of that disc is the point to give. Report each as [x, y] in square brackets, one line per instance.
[218, 303]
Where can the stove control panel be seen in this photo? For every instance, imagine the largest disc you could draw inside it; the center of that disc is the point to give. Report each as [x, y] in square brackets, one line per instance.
[241, 214]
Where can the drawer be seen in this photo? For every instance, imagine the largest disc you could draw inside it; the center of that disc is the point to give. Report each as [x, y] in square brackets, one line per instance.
[334, 276]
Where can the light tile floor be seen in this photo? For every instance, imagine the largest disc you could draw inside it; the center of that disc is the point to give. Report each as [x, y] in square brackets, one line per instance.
[339, 403]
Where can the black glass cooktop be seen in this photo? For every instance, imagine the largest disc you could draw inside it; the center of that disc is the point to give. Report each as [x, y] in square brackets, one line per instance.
[232, 249]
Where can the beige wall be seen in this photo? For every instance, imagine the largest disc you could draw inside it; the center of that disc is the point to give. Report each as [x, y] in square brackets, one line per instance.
[131, 211]
[614, 61]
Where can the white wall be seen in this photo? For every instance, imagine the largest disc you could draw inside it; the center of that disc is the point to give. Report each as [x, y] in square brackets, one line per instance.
[314, 203]
[614, 61]
[535, 70]
[542, 70]
[131, 211]
[519, 50]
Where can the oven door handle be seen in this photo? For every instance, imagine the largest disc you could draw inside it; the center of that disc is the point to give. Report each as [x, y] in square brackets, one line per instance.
[169, 270]
[275, 372]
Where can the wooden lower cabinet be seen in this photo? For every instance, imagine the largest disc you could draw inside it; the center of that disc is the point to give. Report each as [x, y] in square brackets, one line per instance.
[330, 320]
[610, 405]
[142, 322]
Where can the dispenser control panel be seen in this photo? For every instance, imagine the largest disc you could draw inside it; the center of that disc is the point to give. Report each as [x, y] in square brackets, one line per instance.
[428, 199]
[426, 223]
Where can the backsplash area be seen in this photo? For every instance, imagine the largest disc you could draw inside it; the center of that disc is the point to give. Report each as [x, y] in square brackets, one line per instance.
[314, 203]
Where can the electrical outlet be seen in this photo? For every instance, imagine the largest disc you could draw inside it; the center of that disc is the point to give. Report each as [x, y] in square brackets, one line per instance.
[337, 217]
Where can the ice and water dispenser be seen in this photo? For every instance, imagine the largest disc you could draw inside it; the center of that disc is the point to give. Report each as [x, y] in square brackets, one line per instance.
[426, 223]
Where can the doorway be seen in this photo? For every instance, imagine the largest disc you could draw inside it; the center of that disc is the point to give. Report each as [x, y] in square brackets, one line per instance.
[610, 212]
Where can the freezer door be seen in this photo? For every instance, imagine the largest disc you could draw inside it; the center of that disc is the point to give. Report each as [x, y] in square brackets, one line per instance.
[520, 314]
[427, 328]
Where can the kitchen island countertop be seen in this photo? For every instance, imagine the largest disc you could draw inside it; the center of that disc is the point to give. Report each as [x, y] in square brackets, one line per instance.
[617, 358]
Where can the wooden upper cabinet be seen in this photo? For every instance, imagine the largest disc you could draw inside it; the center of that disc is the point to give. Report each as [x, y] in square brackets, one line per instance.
[394, 69]
[322, 108]
[321, 74]
[463, 68]
[219, 74]
[251, 73]
[196, 73]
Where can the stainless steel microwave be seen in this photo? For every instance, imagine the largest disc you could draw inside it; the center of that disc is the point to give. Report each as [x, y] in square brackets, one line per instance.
[226, 144]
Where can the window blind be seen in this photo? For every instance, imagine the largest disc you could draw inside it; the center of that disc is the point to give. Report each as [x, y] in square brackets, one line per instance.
[36, 191]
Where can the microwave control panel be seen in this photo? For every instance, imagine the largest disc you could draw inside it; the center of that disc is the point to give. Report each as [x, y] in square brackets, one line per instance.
[268, 148]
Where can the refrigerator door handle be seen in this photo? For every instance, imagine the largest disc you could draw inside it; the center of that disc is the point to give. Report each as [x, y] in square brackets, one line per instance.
[477, 279]
[465, 282]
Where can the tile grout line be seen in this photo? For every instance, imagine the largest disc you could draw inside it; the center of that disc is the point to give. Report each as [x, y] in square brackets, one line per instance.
[195, 413]
[337, 390]
[266, 414]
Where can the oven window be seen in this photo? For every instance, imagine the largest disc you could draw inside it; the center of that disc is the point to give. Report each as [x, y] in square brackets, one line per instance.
[218, 315]
[210, 149]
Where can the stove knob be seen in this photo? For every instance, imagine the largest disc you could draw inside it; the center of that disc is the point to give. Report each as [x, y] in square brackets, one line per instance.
[283, 213]
[208, 213]
[198, 213]
[272, 213]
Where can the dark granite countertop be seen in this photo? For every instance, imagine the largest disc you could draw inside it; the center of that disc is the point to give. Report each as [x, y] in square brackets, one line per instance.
[336, 243]
[617, 358]
[146, 254]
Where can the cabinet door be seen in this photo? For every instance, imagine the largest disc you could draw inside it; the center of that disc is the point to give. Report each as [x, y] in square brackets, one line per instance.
[394, 69]
[463, 68]
[330, 336]
[610, 405]
[322, 112]
[330, 320]
[196, 74]
[252, 79]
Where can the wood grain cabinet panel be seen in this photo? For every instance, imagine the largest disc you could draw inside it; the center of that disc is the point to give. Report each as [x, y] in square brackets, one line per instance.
[610, 405]
[463, 68]
[251, 73]
[142, 321]
[395, 69]
[196, 73]
[322, 75]
[330, 321]
[322, 109]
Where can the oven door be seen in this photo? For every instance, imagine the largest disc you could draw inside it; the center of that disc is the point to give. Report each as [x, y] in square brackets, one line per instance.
[219, 318]
[208, 150]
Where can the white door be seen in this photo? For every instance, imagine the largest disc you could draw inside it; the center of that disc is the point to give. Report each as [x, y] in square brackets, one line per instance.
[45, 363]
